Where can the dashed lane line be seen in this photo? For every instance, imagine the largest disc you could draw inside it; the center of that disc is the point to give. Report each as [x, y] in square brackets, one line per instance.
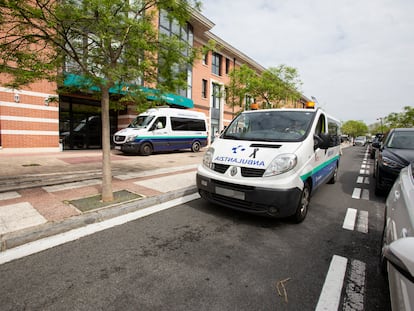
[355, 288]
[360, 193]
[331, 291]
[350, 217]
[356, 220]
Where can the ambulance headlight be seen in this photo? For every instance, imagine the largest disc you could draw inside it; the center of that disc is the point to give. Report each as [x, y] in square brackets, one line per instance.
[130, 138]
[281, 164]
[208, 158]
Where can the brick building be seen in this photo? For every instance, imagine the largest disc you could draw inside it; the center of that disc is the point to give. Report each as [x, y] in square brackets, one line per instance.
[34, 118]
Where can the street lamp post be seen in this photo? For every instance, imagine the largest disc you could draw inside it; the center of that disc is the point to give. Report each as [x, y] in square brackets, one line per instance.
[382, 131]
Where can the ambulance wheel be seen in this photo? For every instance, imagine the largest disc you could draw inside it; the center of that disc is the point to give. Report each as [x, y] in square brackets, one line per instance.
[196, 146]
[334, 176]
[145, 149]
[303, 206]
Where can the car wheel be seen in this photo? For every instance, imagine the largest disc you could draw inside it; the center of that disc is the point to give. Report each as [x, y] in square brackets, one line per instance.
[303, 206]
[146, 149]
[196, 146]
[334, 176]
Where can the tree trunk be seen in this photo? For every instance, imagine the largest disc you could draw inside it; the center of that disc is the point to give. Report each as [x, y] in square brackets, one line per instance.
[107, 194]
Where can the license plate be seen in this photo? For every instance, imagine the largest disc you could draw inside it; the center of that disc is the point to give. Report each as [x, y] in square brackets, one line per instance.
[117, 147]
[230, 193]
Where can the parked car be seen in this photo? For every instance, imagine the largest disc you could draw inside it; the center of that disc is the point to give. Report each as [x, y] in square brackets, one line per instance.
[396, 152]
[360, 141]
[397, 254]
[373, 147]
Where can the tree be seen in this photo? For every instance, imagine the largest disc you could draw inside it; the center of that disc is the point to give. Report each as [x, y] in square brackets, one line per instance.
[354, 128]
[277, 85]
[109, 43]
[238, 87]
[402, 119]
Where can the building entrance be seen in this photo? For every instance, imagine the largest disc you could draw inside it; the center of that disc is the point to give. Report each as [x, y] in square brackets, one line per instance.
[80, 125]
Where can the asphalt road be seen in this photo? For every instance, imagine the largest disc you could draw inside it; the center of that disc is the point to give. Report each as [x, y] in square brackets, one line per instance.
[198, 256]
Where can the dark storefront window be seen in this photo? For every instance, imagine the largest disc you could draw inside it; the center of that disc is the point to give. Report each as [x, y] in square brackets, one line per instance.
[80, 125]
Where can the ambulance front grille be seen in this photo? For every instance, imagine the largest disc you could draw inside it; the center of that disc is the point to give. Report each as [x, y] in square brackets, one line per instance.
[245, 171]
[220, 168]
[252, 172]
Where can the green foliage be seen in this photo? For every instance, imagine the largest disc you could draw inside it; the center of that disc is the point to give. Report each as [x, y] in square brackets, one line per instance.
[277, 84]
[238, 87]
[274, 85]
[106, 41]
[402, 119]
[354, 128]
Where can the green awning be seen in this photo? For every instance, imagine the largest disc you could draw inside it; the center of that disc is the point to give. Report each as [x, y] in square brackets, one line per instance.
[72, 80]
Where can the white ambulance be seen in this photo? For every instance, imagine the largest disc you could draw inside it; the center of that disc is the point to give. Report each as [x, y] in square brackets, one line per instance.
[269, 162]
[163, 129]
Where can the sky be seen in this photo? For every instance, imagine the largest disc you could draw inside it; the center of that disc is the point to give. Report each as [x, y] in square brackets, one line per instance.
[356, 57]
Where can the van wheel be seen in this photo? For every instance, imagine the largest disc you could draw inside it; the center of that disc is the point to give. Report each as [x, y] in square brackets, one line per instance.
[334, 176]
[196, 146]
[303, 206]
[145, 149]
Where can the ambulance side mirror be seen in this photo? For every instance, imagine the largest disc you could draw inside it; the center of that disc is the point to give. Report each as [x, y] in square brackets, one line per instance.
[321, 141]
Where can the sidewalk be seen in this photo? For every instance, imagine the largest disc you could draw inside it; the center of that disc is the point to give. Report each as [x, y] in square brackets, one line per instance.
[37, 190]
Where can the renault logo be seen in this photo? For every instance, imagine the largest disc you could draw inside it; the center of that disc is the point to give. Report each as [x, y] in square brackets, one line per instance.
[233, 170]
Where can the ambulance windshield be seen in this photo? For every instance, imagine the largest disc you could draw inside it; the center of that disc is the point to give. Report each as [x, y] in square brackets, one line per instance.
[270, 125]
[141, 121]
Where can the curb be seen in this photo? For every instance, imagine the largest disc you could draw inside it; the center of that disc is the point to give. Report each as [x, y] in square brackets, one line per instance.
[18, 238]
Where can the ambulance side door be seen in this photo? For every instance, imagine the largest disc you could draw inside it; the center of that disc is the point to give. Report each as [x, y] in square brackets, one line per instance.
[320, 155]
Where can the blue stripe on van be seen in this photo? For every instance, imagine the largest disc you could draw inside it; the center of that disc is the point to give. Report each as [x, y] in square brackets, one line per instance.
[321, 171]
[167, 143]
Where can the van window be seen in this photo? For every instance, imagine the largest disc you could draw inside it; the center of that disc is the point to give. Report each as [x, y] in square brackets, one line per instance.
[159, 123]
[320, 127]
[141, 121]
[334, 130]
[289, 126]
[185, 124]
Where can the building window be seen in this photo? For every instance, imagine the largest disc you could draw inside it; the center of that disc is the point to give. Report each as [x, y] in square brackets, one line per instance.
[216, 64]
[216, 95]
[170, 27]
[227, 66]
[248, 101]
[204, 88]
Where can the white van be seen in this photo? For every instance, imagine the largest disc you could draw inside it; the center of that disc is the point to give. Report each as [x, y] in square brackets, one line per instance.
[270, 161]
[163, 129]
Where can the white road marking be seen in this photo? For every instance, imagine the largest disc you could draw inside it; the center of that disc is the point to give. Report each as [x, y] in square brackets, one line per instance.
[356, 194]
[72, 185]
[350, 217]
[165, 170]
[331, 290]
[75, 234]
[9, 195]
[365, 194]
[355, 289]
[362, 222]
[19, 216]
[170, 183]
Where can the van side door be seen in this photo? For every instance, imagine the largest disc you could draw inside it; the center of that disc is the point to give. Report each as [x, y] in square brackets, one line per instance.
[321, 171]
[159, 134]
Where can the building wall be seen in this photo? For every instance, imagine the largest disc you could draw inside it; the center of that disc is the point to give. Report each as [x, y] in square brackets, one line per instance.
[33, 122]
[28, 119]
